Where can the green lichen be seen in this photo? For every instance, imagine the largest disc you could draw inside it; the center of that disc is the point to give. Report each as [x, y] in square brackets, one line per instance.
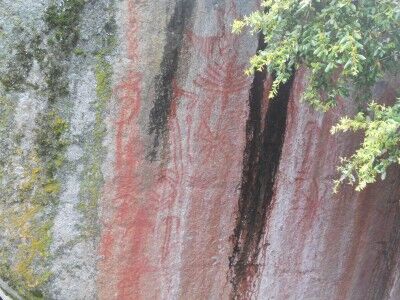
[7, 108]
[50, 139]
[33, 248]
[62, 37]
[63, 21]
[28, 219]
[26, 272]
[93, 179]
[79, 52]
[18, 68]
[38, 191]
[104, 73]
[38, 50]
[90, 192]
[27, 48]
[56, 82]
[50, 49]
[25, 255]
[92, 174]
[48, 157]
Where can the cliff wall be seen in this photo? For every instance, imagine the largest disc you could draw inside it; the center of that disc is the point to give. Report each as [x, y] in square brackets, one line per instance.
[139, 162]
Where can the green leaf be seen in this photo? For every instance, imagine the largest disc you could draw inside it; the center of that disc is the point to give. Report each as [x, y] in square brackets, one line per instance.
[324, 36]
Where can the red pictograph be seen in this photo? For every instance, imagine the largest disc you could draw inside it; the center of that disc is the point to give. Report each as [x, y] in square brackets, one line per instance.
[206, 133]
[144, 238]
[124, 234]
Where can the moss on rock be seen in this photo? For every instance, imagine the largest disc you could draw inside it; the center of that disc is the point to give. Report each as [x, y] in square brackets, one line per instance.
[93, 179]
[28, 221]
[63, 21]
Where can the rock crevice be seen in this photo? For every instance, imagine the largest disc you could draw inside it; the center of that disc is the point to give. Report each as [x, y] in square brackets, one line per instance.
[265, 132]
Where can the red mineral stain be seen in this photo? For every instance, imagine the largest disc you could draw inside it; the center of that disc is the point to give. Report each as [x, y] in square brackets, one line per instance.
[221, 113]
[196, 189]
[173, 230]
[124, 235]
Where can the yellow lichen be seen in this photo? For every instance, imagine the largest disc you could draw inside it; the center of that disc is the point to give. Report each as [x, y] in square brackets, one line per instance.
[52, 187]
[30, 180]
[34, 240]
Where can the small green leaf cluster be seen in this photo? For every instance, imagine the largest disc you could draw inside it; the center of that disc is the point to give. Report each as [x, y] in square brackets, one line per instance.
[379, 149]
[341, 41]
[347, 46]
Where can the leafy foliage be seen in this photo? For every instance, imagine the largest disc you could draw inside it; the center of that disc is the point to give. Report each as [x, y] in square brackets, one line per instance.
[379, 149]
[347, 45]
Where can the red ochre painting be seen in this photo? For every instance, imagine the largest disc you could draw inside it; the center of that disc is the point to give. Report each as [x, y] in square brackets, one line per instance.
[139, 161]
[148, 235]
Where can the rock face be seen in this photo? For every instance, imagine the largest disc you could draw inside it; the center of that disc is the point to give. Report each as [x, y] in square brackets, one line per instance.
[139, 162]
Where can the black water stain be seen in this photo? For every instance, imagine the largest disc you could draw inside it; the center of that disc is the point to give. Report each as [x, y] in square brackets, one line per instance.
[264, 141]
[158, 124]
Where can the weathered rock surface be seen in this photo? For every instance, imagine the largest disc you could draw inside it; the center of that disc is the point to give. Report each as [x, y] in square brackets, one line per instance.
[139, 162]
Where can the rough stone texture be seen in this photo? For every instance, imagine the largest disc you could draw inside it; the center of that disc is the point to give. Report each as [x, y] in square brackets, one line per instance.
[324, 246]
[175, 177]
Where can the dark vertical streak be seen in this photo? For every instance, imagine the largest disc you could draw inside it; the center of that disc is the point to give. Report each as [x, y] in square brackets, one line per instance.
[163, 82]
[261, 161]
